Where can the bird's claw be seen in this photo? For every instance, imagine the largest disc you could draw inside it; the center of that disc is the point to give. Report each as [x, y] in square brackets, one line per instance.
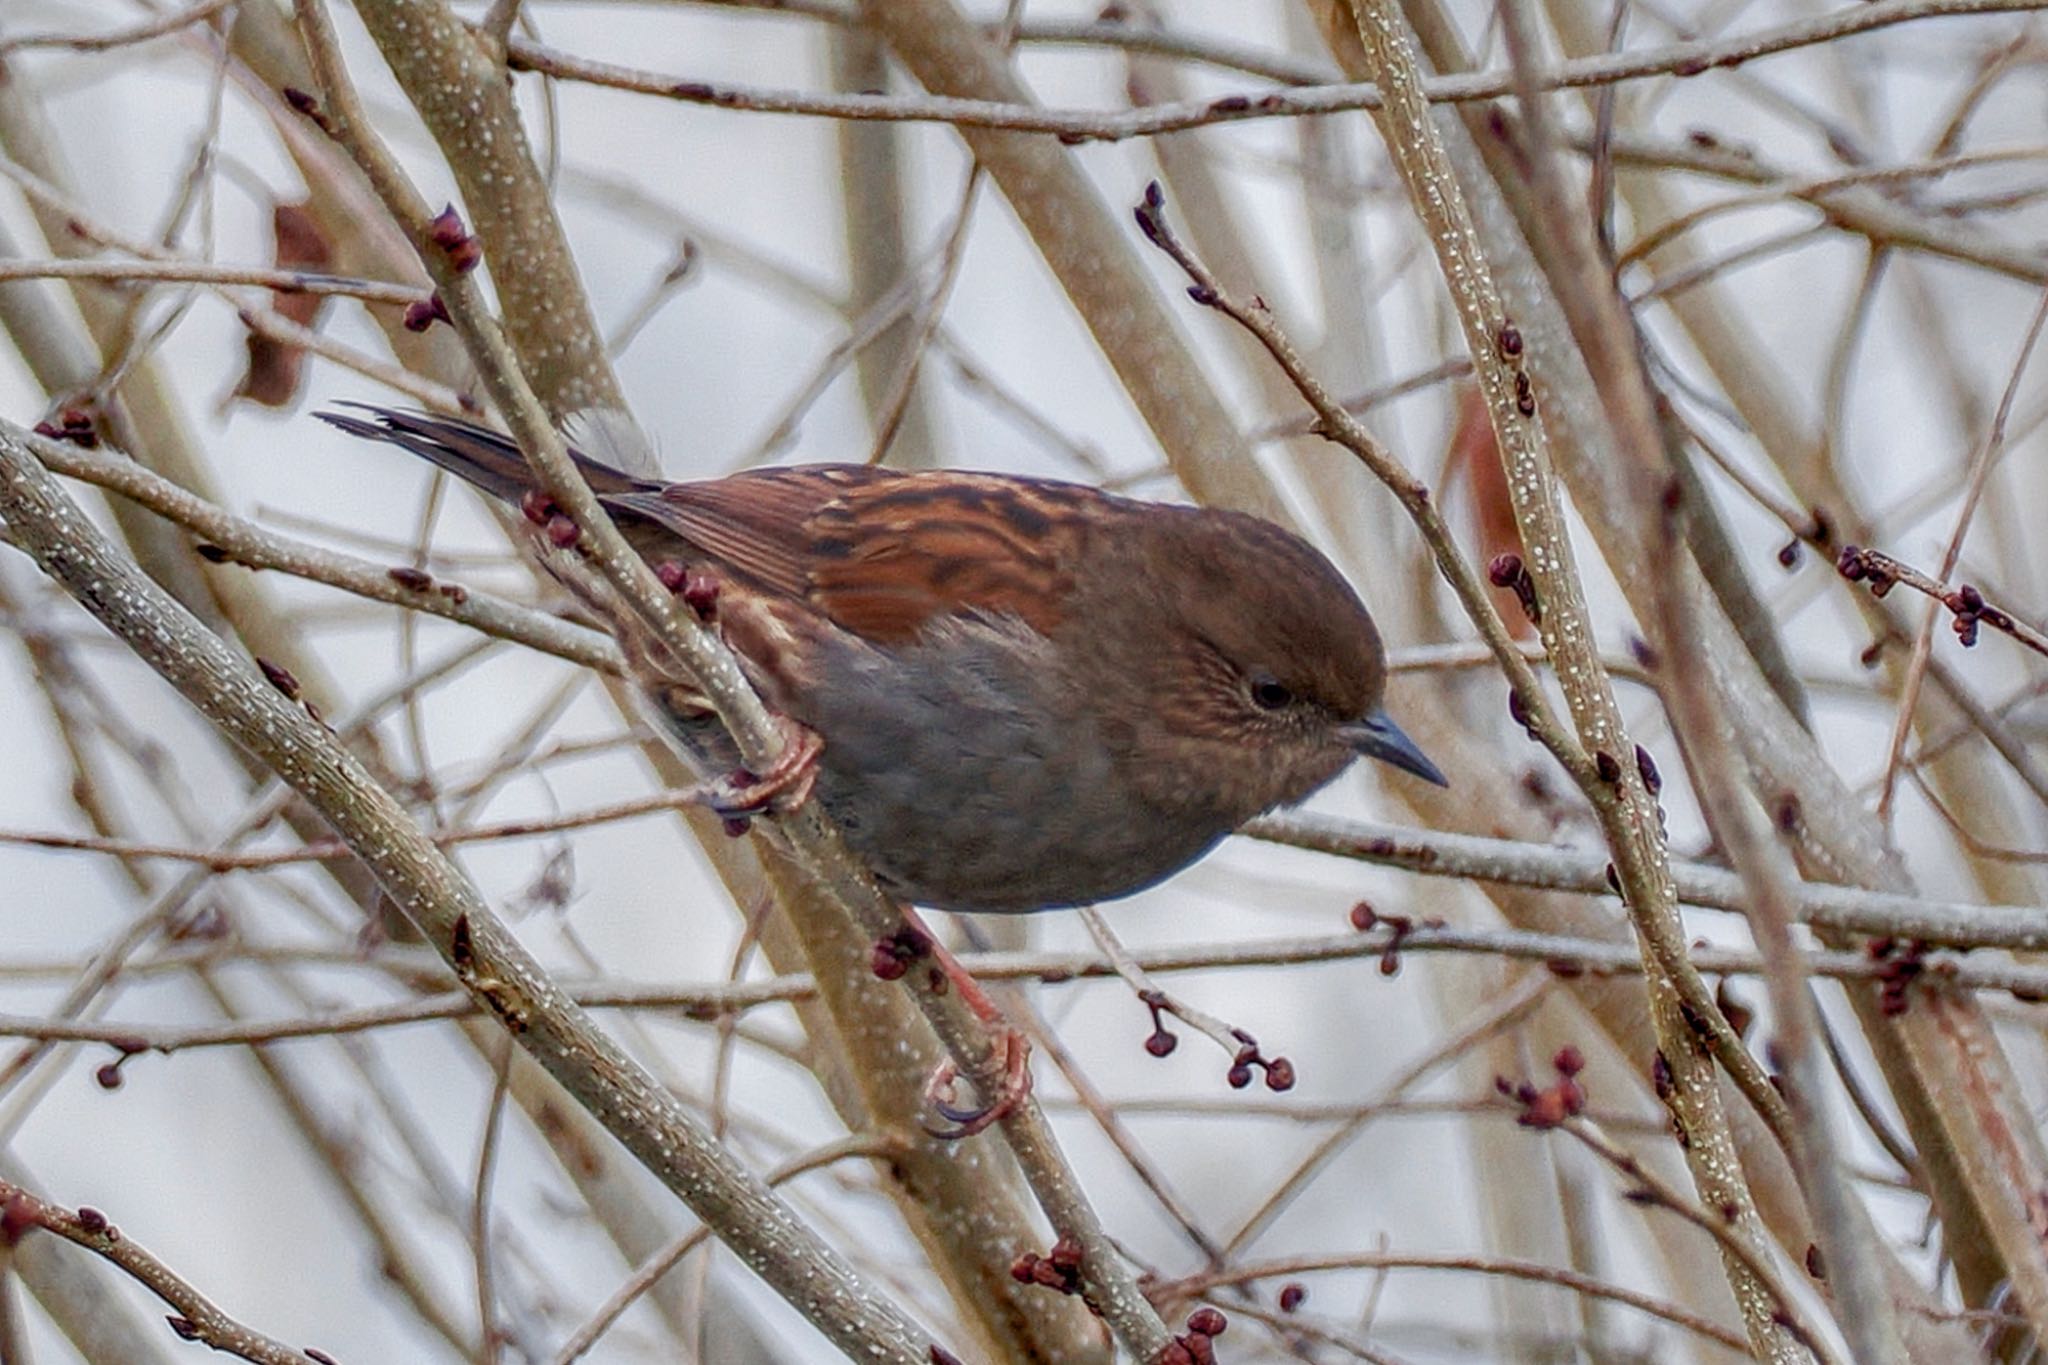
[892, 955]
[1014, 1090]
[787, 784]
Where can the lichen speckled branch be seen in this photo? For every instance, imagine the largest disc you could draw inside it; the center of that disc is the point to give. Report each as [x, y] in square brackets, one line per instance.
[1529, 704]
[1754, 1257]
[486, 957]
[197, 1318]
[1955, 1086]
[1110, 1286]
[461, 93]
[1625, 805]
[226, 538]
[1608, 339]
[1527, 701]
[872, 1050]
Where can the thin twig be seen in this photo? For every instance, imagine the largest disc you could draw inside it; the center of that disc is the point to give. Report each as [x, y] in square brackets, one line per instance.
[197, 1318]
[684, 646]
[1966, 603]
[450, 913]
[580, 1341]
[1565, 956]
[205, 272]
[1649, 1188]
[1689, 58]
[141, 32]
[1291, 1266]
[1621, 789]
[231, 539]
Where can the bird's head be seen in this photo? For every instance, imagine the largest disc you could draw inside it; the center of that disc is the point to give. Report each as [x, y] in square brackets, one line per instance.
[1257, 659]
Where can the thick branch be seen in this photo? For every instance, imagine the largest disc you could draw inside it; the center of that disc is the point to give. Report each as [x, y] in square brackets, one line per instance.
[491, 964]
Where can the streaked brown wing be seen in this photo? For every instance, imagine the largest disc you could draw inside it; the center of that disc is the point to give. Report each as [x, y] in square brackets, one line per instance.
[755, 524]
[879, 552]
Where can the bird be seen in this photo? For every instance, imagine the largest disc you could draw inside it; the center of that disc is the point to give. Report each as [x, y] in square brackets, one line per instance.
[1012, 694]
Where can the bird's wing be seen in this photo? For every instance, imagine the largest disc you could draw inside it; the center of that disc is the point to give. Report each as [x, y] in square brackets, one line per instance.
[478, 455]
[750, 525]
[882, 553]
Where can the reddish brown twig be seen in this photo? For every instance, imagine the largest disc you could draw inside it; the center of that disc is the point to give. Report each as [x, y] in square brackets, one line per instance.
[1968, 605]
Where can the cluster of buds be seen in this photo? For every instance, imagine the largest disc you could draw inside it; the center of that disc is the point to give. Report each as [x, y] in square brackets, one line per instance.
[1859, 565]
[1279, 1071]
[1163, 1040]
[1549, 1107]
[74, 425]
[1061, 1270]
[1904, 960]
[447, 231]
[891, 957]
[1196, 1346]
[1364, 919]
[698, 589]
[419, 580]
[560, 529]
[421, 314]
[1970, 609]
[1508, 571]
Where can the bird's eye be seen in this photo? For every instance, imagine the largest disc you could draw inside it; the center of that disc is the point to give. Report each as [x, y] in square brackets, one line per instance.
[1269, 693]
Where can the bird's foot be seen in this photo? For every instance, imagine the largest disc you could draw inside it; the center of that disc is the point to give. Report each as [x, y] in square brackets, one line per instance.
[1015, 1086]
[787, 784]
[966, 1122]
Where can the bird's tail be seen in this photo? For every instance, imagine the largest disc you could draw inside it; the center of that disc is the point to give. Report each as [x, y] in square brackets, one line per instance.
[476, 455]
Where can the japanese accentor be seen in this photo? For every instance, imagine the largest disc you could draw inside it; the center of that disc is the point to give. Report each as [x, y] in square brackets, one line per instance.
[1030, 694]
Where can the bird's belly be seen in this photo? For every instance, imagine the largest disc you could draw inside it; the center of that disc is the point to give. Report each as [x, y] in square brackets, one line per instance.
[971, 787]
[1004, 833]
[968, 784]
[982, 832]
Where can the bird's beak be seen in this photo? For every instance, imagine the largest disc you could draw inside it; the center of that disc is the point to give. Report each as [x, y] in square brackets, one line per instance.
[1377, 737]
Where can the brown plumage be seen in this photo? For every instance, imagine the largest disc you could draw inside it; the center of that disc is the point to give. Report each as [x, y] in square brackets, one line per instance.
[1030, 693]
